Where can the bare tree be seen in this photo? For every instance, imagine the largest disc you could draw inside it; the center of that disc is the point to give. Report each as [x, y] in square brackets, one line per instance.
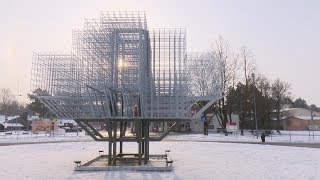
[263, 85]
[234, 70]
[212, 73]
[247, 62]
[247, 68]
[205, 76]
[280, 92]
[264, 103]
[6, 99]
[228, 63]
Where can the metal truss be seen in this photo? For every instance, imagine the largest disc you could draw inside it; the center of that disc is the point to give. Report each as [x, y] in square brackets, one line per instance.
[117, 66]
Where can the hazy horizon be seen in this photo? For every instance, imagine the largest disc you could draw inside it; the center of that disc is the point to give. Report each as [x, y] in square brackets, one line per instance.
[284, 36]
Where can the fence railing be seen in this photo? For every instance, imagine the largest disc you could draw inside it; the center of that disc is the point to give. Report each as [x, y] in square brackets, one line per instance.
[32, 135]
[221, 134]
[285, 135]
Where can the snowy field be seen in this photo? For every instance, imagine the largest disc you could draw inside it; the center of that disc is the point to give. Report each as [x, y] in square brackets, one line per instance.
[17, 137]
[285, 136]
[195, 157]
[192, 160]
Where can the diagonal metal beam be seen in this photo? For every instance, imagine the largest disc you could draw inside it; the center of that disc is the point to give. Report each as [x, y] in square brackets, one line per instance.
[165, 133]
[199, 113]
[97, 133]
[86, 130]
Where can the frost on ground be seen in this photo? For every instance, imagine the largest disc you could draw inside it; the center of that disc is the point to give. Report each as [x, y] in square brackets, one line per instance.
[41, 137]
[192, 160]
[285, 136]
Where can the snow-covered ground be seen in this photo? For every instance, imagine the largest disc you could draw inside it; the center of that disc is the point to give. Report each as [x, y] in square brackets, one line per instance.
[192, 160]
[17, 137]
[285, 136]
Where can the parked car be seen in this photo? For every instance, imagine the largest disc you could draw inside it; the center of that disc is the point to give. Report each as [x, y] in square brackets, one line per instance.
[73, 129]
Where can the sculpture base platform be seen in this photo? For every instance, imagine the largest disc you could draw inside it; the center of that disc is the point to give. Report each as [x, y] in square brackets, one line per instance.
[127, 163]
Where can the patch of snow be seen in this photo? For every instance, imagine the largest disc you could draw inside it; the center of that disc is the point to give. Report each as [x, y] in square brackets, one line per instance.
[62, 121]
[192, 160]
[6, 125]
[3, 118]
[24, 136]
[31, 118]
[308, 117]
[285, 136]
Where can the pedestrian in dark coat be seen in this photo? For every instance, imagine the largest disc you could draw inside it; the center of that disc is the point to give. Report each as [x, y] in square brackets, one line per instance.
[263, 135]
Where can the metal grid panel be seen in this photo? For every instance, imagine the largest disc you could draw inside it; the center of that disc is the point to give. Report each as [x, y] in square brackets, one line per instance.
[115, 64]
[168, 62]
[53, 72]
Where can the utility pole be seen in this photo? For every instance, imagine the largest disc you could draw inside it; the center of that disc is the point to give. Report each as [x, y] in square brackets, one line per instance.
[254, 104]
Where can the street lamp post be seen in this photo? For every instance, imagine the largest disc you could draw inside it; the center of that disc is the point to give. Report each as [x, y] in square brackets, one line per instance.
[14, 115]
[254, 104]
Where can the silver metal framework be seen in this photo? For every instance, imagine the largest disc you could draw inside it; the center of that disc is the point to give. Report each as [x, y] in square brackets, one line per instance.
[115, 64]
[118, 66]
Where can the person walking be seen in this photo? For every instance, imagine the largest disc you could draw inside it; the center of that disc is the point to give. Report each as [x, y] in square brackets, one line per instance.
[263, 135]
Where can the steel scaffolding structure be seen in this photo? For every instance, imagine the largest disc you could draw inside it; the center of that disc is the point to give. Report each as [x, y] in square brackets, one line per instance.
[168, 61]
[120, 73]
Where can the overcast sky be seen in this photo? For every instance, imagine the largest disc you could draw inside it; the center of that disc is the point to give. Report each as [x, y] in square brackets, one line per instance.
[284, 35]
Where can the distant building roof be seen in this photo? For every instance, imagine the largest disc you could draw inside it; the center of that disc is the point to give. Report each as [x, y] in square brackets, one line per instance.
[3, 118]
[30, 118]
[299, 112]
[307, 117]
[6, 125]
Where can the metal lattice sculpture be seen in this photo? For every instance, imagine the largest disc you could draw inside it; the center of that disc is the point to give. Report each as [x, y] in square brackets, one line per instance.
[117, 64]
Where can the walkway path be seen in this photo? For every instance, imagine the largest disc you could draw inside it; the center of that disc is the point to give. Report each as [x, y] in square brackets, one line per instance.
[44, 142]
[294, 144]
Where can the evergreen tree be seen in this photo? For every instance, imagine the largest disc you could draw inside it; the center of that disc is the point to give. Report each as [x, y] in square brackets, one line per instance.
[300, 103]
[36, 105]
